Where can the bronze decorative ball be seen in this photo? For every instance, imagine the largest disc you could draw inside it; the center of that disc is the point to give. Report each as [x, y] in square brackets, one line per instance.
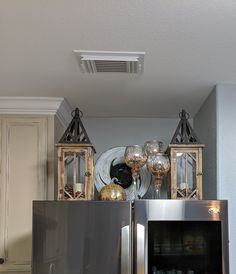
[112, 192]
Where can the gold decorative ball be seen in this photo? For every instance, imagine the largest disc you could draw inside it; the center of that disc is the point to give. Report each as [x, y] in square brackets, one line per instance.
[112, 192]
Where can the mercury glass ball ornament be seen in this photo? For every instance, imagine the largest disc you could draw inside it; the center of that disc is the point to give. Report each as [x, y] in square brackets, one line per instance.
[158, 164]
[135, 157]
[153, 147]
[112, 192]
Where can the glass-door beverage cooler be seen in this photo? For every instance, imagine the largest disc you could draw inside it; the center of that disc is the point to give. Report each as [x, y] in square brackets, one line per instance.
[181, 237]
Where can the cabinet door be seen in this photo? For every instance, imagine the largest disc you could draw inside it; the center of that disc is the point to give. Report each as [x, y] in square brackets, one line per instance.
[23, 179]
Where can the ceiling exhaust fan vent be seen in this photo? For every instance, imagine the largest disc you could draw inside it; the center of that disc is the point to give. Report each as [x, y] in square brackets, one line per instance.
[110, 61]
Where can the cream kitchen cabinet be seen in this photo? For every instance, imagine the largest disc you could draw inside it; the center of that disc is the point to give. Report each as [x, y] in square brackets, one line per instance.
[26, 174]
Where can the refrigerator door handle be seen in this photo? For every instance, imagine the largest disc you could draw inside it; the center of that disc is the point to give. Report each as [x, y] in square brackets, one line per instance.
[51, 269]
[140, 249]
[125, 250]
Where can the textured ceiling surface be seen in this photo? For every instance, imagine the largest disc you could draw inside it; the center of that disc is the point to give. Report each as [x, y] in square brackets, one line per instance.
[190, 46]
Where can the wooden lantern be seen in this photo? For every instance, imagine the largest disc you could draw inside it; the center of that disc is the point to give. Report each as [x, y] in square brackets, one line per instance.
[75, 162]
[185, 151]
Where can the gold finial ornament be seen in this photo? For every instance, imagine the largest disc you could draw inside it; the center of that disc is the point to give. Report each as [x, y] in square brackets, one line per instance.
[112, 192]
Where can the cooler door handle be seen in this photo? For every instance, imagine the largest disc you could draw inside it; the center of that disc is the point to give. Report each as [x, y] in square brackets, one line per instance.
[125, 250]
[140, 249]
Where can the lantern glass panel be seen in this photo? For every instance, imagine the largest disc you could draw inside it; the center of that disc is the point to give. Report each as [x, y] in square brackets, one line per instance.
[186, 172]
[74, 163]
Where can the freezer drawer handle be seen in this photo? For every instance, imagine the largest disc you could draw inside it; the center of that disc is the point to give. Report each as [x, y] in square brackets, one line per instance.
[140, 249]
[125, 250]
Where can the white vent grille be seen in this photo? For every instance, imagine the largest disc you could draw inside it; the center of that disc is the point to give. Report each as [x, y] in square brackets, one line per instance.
[108, 61]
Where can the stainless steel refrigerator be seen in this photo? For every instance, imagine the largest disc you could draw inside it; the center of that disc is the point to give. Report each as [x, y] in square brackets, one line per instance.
[143, 237]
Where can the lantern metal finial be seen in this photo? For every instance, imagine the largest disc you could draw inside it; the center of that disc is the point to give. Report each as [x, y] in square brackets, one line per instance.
[184, 133]
[75, 133]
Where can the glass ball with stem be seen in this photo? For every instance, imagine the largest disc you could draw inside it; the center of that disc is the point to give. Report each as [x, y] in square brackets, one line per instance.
[157, 163]
[153, 147]
[135, 157]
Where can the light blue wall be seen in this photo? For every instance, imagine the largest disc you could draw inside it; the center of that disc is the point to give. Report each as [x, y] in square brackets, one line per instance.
[106, 133]
[215, 124]
[205, 129]
[226, 157]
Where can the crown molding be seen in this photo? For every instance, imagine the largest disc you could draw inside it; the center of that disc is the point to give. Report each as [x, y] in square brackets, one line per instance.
[57, 106]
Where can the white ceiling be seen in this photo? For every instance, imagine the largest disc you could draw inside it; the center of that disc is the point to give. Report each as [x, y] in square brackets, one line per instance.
[190, 46]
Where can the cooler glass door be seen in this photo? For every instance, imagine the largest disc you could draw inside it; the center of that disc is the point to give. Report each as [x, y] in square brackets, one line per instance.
[181, 237]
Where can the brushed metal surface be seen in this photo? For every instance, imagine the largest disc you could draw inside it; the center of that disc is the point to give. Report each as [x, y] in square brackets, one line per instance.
[79, 237]
[181, 210]
[140, 249]
[125, 250]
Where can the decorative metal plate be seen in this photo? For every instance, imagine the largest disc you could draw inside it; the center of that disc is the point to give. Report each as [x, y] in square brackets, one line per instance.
[111, 164]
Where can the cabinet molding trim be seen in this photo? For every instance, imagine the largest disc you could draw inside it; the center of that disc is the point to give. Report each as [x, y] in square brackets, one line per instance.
[37, 105]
